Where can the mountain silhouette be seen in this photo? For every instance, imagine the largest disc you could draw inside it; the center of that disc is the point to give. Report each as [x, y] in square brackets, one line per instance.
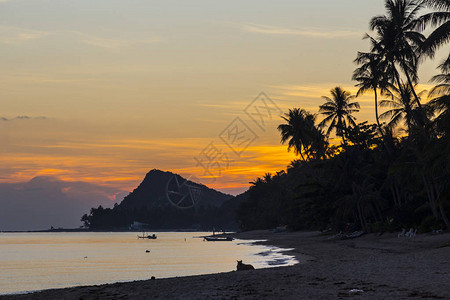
[165, 200]
[159, 188]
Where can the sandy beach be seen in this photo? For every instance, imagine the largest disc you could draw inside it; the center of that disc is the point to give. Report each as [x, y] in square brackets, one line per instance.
[380, 267]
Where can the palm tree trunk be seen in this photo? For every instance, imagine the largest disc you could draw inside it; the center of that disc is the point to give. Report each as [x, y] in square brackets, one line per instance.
[299, 150]
[423, 117]
[301, 155]
[431, 197]
[423, 120]
[386, 146]
[397, 194]
[343, 139]
[443, 214]
[408, 108]
[360, 216]
[414, 91]
[397, 78]
[308, 156]
[376, 110]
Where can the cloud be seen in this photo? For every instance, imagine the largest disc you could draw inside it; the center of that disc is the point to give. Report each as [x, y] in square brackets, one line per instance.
[108, 43]
[309, 32]
[16, 35]
[39, 78]
[23, 118]
[316, 91]
[47, 201]
[312, 91]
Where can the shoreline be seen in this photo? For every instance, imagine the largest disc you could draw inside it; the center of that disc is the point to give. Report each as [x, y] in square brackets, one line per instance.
[379, 266]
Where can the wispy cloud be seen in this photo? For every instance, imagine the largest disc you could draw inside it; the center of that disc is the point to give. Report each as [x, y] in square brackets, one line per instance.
[15, 35]
[307, 90]
[40, 78]
[4, 119]
[323, 89]
[307, 32]
[111, 44]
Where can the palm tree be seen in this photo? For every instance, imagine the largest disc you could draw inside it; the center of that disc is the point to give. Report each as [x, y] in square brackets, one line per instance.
[441, 20]
[440, 4]
[443, 79]
[319, 144]
[363, 203]
[338, 112]
[398, 42]
[371, 75]
[404, 107]
[432, 168]
[440, 99]
[267, 177]
[302, 134]
[257, 182]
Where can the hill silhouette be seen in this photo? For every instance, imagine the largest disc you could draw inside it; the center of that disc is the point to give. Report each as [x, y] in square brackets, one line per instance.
[152, 192]
[165, 200]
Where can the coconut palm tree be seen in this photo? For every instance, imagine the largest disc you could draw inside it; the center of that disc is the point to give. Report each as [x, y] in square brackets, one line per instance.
[404, 107]
[440, 99]
[302, 134]
[399, 43]
[439, 19]
[363, 203]
[319, 144]
[371, 76]
[257, 182]
[443, 79]
[432, 168]
[440, 4]
[338, 112]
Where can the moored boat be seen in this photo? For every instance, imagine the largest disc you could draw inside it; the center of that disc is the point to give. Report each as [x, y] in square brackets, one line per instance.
[217, 238]
[150, 237]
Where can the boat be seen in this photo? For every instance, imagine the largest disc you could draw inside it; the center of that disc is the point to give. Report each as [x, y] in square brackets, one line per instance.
[217, 238]
[150, 237]
[353, 235]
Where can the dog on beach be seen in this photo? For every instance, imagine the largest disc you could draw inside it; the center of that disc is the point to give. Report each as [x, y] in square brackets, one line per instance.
[241, 266]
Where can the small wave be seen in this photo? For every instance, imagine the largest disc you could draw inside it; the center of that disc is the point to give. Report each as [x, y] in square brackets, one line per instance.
[279, 261]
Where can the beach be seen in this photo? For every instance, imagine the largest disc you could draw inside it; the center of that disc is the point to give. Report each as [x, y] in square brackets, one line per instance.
[368, 267]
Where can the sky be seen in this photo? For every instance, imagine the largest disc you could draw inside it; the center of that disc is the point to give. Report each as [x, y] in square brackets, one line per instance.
[103, 91]
[44, 202]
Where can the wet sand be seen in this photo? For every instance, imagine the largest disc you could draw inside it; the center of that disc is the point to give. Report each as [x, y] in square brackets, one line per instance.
[381, 267]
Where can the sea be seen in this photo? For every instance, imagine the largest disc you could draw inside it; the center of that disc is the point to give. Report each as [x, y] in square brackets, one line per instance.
[37, 261]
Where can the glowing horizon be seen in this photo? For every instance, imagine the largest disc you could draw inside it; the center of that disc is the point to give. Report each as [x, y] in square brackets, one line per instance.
[86, 97]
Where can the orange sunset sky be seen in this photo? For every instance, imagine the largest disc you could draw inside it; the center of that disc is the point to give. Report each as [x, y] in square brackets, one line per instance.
[104, 91]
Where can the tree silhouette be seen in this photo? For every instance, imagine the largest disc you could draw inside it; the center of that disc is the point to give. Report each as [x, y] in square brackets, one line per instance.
[439, 19]
[338, 112]
[399, 43]
[440, 99]
[404, 107]
[302, 134]
[371, 76]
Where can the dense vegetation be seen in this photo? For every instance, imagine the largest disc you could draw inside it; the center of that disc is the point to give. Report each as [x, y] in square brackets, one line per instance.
[381, 176]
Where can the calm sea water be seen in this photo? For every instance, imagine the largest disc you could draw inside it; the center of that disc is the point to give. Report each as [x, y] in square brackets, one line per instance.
[36, 261]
